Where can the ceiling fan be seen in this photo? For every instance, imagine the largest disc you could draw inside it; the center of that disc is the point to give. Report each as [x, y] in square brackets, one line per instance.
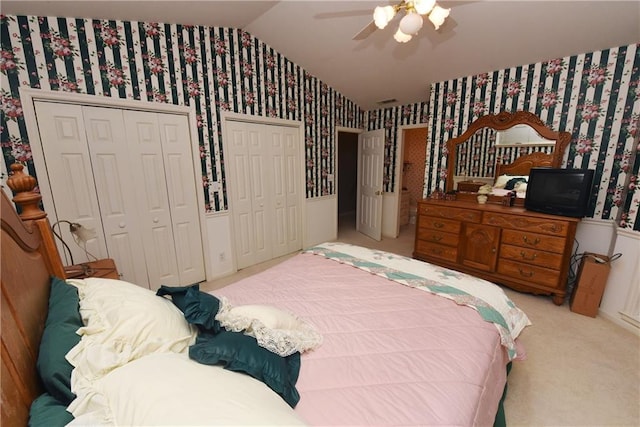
[410, 23]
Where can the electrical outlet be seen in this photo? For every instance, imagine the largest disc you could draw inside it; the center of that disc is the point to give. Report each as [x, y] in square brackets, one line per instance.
[222, 256]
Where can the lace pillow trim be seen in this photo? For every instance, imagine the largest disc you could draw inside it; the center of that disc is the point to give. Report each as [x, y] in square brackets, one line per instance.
[282, 342]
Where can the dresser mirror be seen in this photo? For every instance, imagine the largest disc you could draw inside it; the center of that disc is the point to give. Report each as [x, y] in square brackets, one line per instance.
[500, 145]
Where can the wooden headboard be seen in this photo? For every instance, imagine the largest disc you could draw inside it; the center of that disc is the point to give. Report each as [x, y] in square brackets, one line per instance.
[523, 164]
[29, 258]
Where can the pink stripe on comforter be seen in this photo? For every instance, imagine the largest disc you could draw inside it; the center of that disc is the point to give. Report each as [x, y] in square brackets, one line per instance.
[392, 355]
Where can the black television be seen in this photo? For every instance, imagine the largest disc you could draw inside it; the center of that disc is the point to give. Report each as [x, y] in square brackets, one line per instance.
[559, 191]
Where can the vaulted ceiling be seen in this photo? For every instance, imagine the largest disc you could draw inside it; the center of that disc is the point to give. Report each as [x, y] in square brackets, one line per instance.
[479, 36]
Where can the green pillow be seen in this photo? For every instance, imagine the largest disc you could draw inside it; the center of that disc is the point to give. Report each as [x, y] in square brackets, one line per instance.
[240, 352]
[59, 336]
[511, 184]
[199, 308]
[46, 411]
[177, 293]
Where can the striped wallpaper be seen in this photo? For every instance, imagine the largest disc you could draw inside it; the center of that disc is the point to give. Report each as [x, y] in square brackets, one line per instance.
[594, 96]
[213, 69]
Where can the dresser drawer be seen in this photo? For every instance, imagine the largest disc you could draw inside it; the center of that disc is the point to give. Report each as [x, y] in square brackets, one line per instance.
[439, 237]
[527, 223]
[450, 212]
[529, 273]
[446, 253]
[531, 256]
[533, 241]
[432, 223]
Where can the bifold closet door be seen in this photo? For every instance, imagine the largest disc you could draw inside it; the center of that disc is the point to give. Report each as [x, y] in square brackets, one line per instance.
[90, 179]
[285, 189]
[128, 175]
[116, 186]
[250, 201]
[263, 164]
[164, 180]
[64, 144]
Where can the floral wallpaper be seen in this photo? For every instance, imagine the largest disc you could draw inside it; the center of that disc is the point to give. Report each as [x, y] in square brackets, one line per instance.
[213, 69]
[594, 96]
[391, 119]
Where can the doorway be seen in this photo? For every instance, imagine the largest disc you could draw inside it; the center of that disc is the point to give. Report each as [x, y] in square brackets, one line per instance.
[347, 180]
[410, 172]
[414, 142]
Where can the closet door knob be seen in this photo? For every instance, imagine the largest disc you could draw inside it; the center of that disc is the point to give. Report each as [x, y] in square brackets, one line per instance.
[122, 225]
[155, 220]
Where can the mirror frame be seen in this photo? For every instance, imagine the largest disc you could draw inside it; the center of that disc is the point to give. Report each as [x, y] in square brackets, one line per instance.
[502, 121]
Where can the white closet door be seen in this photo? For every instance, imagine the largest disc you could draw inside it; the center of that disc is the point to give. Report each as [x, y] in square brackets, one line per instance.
[283, 152]
[149, 185]
[293, 188]
[64, 143]
[114, 180]
[262, 195]
[181, 187]
[264, 186]
[248, 199]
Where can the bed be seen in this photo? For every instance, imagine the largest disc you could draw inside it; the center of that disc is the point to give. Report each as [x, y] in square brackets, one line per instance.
[356, 337]
[514, 176]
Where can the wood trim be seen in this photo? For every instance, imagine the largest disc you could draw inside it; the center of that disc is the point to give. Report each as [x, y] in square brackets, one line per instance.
[503, 121]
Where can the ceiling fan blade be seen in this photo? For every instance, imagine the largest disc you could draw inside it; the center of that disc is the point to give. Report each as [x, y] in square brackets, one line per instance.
[343, 14]
[369, 29]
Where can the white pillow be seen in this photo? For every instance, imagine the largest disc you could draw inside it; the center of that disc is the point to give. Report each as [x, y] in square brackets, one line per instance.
[171, 389]
[123, 322]
[271, 317]
[276, 330]
[520, 187]
[502, 180]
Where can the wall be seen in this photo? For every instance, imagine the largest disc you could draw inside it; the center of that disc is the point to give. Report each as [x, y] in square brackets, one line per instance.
[210, 68]
[594, 96]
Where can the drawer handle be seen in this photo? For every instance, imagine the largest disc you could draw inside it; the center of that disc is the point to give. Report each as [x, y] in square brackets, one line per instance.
[525, 273]
[438, 224]
[554, 227]
[533, 243]
[436, 251]
[528, 258]
[435, 238]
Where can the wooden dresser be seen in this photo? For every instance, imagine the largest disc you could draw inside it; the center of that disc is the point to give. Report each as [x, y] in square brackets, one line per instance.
[523, 250]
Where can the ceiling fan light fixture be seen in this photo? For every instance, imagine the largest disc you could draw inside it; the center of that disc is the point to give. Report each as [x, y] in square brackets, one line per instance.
[413, 20]
[382, 15]
[438, 15]
[411, 23]
[401, 37]
[423, 6]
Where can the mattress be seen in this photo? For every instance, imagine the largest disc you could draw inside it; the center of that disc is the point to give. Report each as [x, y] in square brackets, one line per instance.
[391, 354]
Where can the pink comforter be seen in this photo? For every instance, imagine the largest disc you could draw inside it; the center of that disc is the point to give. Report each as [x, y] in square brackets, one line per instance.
[392, 355]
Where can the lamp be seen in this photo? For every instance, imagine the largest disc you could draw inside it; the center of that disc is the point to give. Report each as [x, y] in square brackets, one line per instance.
[81, 235]
[412, 21]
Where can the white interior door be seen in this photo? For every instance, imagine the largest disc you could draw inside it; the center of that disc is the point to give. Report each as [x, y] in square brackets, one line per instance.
[181, 188]
[247, 193]
[115, 183]
[64, 143]
[150, 188]
[370, 171]
[283, 152]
